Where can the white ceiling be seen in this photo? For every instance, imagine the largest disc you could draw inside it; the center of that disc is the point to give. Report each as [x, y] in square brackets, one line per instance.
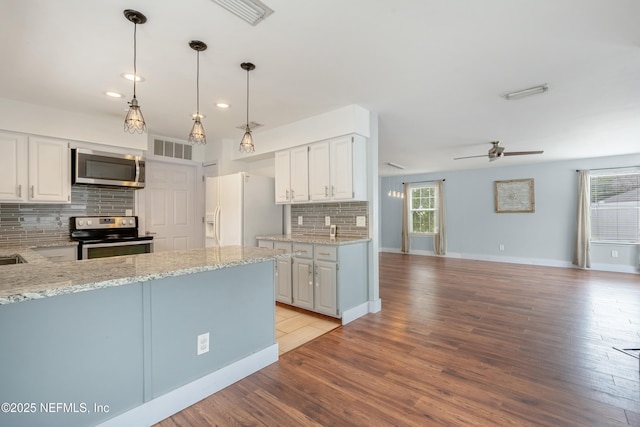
[433, 70]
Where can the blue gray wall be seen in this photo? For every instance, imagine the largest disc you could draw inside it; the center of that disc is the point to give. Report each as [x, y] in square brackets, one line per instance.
[475, 231]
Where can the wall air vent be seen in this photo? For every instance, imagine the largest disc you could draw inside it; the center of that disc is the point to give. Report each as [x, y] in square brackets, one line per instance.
[251, 11]
[172, 149]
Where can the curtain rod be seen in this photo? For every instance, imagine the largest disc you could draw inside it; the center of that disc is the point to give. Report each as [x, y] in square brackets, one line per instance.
[418, 182]
[604, 169]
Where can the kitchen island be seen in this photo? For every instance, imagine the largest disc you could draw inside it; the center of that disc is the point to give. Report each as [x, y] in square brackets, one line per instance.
[116, 340]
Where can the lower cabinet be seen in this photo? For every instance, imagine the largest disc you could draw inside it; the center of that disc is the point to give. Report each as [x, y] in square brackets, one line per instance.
[283, 275]
[327, 279]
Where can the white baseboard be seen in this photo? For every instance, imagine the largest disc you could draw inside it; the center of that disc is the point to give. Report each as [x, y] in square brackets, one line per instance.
[375, 306]
[162, 407]
[352, 314]
[615, 268]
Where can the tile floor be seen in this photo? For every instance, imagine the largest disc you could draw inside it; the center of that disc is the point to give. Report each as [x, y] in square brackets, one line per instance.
[294, 328]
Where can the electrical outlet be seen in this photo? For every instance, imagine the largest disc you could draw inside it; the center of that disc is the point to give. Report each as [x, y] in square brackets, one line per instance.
[327, 220]
[361, 221]
[501, 247]
[614, 254]
[299, 219]
[128, 212]
[203, 344]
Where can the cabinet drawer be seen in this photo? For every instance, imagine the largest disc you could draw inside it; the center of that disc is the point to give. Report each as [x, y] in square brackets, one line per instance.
[282, 245]
[265, 244]
[326, 253]
[306, 250]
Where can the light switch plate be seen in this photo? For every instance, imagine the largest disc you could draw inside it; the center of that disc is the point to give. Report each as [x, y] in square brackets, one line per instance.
[299, 219]
[361, 221]
[327, 220]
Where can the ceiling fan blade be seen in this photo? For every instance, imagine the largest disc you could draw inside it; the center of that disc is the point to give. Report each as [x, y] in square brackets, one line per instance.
[469, 157]
[521, 153]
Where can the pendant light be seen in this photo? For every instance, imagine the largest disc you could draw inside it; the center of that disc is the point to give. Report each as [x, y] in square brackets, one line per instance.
[197, 135]
[134, 122]
[246, 145]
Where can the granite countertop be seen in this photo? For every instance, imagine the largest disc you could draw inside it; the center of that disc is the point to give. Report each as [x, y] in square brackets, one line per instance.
[40, 278]
[320, 240]
[30, 255]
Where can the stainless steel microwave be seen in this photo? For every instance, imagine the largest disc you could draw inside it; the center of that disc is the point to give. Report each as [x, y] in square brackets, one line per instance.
[108, 169]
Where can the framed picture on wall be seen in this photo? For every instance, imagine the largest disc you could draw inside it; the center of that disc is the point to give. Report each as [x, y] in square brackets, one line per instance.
[515, 195]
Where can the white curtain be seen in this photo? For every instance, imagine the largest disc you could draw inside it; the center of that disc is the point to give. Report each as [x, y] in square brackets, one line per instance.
[406, 239]
[582, 249]
[440, 238]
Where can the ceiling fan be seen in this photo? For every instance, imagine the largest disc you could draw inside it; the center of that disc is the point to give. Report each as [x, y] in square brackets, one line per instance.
[497, 151]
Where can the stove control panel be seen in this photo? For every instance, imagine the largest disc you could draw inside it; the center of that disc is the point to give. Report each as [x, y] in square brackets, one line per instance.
[102, 222]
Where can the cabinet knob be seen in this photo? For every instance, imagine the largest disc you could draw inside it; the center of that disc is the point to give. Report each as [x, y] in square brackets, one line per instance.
[33, 191]
[20, 190]
[326, 191]
[286, 195]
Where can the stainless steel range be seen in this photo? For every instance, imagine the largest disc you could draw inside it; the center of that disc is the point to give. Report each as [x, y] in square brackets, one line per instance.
[107, 236]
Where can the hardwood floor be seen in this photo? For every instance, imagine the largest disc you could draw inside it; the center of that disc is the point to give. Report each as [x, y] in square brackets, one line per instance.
[460, 343]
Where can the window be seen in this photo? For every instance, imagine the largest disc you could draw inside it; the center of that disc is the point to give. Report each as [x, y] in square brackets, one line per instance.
[423, 208]
[615, 207]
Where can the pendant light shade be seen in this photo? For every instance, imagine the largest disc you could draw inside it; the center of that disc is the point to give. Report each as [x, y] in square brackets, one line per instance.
[134, 121]
[246, 145]
[197, 136]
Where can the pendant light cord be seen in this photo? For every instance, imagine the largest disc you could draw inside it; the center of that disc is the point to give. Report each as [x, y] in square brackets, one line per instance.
[135, 72]
[198, 86]
[248, 99]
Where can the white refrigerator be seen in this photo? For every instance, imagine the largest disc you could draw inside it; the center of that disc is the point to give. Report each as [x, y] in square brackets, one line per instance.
[240, 207]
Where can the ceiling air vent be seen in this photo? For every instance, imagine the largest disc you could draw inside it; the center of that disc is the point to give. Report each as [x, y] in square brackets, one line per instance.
[252, 126]
[251, 11]
[172, 149]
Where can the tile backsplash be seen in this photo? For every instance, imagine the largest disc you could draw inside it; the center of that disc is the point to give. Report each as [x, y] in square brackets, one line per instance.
[47, 223]
[342, 214]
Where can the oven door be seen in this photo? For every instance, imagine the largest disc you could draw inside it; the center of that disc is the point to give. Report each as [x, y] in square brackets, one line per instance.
[110, 249]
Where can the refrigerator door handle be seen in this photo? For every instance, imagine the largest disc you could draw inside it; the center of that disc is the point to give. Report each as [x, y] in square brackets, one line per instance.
[217, 225]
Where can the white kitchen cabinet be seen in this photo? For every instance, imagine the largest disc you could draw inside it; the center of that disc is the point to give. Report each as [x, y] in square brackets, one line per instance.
[13, 167]
[300, 174]
[319, 172]
[283, 176]
[337, 169]
[34, 169]
[292, 175]
[49, 172]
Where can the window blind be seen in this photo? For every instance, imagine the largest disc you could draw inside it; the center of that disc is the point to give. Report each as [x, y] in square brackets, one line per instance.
[615, 206]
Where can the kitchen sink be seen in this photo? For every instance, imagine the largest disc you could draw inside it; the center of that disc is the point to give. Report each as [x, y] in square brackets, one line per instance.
[11, 259]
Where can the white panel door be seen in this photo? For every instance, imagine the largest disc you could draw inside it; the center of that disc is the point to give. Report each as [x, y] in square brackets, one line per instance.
[170, 206]
[13, 167]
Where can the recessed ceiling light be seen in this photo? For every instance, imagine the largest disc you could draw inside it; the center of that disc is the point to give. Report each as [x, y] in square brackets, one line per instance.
[114, 94]
[129, 76]
[222, 105]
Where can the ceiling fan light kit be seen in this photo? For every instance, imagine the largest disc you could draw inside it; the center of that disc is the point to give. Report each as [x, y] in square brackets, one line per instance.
[526, 92]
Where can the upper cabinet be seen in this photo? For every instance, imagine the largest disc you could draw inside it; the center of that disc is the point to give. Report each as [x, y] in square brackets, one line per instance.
[292, 175]
[337, 169]
[34, 169]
